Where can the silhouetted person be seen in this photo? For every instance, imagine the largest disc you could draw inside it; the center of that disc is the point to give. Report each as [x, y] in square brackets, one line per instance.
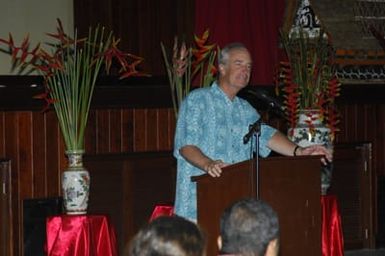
[249, 227]
[168, 236]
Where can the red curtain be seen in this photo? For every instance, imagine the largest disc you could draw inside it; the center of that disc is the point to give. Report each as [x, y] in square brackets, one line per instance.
[254, 23]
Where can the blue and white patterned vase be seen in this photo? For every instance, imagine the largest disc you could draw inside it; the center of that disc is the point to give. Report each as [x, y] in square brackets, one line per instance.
[75, 184]
[310, 130]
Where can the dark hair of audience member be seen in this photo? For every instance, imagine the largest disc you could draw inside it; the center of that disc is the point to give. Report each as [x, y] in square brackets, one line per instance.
[247, 227]
[168, 236]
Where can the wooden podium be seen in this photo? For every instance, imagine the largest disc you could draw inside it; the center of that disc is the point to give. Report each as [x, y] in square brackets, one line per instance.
[291, 185]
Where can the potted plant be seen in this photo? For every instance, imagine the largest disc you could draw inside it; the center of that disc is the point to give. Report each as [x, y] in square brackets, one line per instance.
[309, 86]
[308, 80]
[70, 71]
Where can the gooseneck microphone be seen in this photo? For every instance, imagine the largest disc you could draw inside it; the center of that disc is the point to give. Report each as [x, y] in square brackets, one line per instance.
[266, 98]
[253, 129]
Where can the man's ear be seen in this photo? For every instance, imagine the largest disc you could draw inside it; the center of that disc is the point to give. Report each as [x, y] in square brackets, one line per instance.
[272, 248]
[219, 242]
[222, 69]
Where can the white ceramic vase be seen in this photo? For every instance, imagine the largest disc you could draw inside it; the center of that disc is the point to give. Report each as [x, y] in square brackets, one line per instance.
[311, 131]
[75, 184]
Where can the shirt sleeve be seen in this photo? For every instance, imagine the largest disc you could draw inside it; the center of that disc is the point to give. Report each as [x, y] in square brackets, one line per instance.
[266, 133]
[189, 125]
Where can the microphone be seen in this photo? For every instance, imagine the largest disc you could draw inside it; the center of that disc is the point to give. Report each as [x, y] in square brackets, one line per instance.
[253, 129]
[266, 98]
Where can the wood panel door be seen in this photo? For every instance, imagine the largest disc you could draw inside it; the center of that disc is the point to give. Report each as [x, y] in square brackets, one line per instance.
[354, 185]
[5, 208]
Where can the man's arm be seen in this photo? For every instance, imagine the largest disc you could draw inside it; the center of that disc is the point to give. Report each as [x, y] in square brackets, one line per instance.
[196, 157]
[282, 145]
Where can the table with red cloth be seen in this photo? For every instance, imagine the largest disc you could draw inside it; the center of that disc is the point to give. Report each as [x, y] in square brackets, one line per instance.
[80, 235]
[162, 210]
[332, 236]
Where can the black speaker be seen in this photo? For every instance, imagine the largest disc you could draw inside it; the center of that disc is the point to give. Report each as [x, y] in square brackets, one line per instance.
[35, 212]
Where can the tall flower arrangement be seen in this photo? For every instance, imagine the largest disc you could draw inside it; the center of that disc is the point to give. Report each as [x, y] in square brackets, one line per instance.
[186, 64]
[70, 71]
[308, 78]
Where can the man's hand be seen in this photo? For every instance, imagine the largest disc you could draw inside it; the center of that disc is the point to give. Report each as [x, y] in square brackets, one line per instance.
[317, 150]
[214, 167]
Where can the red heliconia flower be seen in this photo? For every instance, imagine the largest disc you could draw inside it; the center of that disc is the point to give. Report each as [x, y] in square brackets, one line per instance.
[202, 51]
[332, 122]
[62, 37]
[202, 40]
[334, 87]
[179, 59]
[131, 69]
[48, 64]
[48, 101]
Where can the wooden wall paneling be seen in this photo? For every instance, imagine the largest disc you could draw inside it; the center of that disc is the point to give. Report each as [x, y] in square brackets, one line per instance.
[370, 118]
[140, 24]
[165, 137]
[140, 129]
[369, 185]
[115, 131]
[129, 204]
[152, 130]
[90, 135]
[352, 123]
[25, 154]
[127, 130]
[62, 163]
[380, 140]
[107, 193]
[24, 135]
[26, 182]
[2, 137]
[11, 152]
[361, 116]
[374, 130]
[52, 159]
[341, 134]
[172, 127]
[103, 131]
[39, 154]
[127, 186]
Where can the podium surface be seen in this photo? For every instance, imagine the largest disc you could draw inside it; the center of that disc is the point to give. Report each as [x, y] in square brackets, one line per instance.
[291, 185]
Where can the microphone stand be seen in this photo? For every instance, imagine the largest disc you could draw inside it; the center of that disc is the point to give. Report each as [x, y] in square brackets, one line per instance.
[255, 131]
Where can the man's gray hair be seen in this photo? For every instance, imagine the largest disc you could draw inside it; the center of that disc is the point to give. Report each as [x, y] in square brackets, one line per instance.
[224, 53]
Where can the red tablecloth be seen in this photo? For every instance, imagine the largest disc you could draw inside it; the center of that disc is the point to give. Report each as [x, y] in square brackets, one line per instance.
[162, 210]
[80, 235]
[332, 237]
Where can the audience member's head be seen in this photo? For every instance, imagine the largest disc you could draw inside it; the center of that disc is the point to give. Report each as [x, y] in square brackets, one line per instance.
[249, 227]
[168, 236]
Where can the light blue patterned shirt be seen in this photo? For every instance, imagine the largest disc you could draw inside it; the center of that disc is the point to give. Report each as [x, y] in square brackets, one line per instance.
[211, 121]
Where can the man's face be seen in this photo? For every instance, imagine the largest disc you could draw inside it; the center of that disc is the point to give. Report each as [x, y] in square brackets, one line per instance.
[236, 71]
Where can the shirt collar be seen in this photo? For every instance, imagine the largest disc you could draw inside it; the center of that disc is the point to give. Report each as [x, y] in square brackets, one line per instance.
[218, 92]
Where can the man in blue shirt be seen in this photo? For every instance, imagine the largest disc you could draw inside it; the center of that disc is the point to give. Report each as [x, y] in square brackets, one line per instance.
[211, 124]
